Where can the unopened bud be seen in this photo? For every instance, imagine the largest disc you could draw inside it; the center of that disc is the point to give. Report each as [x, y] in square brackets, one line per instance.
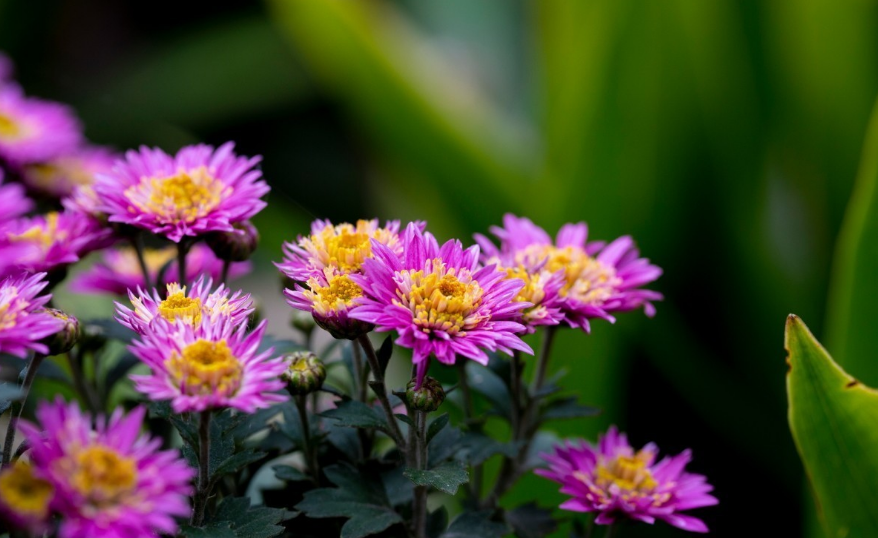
[303, 321]
[236, 246]
[304, 374]
[342, 327]
[66, 337]
[427, 398]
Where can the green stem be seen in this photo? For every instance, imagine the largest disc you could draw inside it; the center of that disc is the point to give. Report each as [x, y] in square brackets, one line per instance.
[182, 251]
[361, 374]
[469, 412]
[139, 249]
[419, 507]
[202, 493]
[32, 368]
[86, 392]
[612, 530]
[309, 448]
[381, 391]
[545, 353]
[225, 274]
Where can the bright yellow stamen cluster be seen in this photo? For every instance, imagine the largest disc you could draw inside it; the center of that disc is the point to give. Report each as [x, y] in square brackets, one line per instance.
[62, 175]
[178, 306]
[337, 296]
[345, 247]
[10, 306]
[102, 475]
[9, 129]
[24, 493]
[586, 279]
[44, 234]
[184, 197]
[205, 368]
[440, 298]
[627, 472]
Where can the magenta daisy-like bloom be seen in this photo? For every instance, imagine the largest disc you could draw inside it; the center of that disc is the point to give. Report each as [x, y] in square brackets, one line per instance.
[23, 320]
[13, 202]
[59, 176]
[342, 248]
[119, 271]
[598, 279]
[192, 307]
[25, 498]
[214, 366]
[329, 297]
[199, 190]
[439, 301]
[33, 130]
[53, 240]
[110, 480]
[615, 481]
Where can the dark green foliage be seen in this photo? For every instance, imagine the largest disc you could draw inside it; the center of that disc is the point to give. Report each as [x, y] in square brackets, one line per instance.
[530, 521]
[235, 518]
[474, 525]
[446, 477]
[355, 414]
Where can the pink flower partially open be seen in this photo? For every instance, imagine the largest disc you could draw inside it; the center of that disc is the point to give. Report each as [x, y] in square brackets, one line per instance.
[23, 320]
[615, 481]
[33, 130]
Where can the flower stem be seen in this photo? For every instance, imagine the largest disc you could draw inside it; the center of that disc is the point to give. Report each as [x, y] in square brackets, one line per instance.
[225, 274]
[182, 251]
[469, 413]
[419, 506]
[612, 530]
[203, 491]
[32, 368]
[309, 448]
[380, 390]
[545, 353]
[86, 392]
[137, 243]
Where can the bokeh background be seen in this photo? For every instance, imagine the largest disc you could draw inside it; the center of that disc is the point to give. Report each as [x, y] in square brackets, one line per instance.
[724, 136]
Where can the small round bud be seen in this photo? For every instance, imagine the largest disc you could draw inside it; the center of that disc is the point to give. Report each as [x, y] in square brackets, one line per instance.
[427, 398]
[303, 321]
[236, 246]
[66, 337]
[304, 374]
[342, 327]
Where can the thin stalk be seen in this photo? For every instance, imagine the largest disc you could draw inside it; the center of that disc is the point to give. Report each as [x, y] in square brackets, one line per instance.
[419, 506]
[516, 371]
[86, 392]
[32, 368]
[469, 412]
[381, 391]
[182, 251]
[225, 274]
[203, 491]
[545, 353]
[360, 374]
[612, 530]
[139, 249]
[310, 449]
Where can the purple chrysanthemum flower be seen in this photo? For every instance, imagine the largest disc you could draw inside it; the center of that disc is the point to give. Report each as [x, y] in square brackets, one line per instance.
[614, 481]
[199, 190]
[214, 366]
[192, 307]
[110, 480]
[119, 271]
[33, 130]
[599, 278]
[329, 297]
[59, 176]
[342, 248]
[439, 301]
[13, 201]
[25, 498]
[46, 242]
[23, 320]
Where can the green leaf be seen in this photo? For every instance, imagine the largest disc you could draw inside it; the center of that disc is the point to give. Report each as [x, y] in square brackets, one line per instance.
[355, 414]
[489, 384]
[564, 408]
[290, 474]
[212, 530]
[832, 417]
[479, 447]
[446, 477]
[237, 462]
[364, 503]
[474, 525]
[250, 522]
[110, 329]
[531, 521]
[436, 426]
[10, 392]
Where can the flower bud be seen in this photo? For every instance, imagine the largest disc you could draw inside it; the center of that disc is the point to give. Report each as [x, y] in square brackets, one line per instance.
[427, 398]
[303, 321]
[236, 246]
[342, 327]
[66, 337]
[305, 373]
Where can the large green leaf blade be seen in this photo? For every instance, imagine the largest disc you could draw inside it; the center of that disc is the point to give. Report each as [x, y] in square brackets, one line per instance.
[833, 419]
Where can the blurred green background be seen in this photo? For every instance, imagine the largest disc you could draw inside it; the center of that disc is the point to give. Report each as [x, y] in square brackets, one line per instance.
[724, 136]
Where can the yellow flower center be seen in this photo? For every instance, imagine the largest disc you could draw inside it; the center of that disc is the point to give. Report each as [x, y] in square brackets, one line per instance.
[178, 306]
[102, 475]
[586, 279]
[10, 305]
[44, 234]
[206, 368]
[439, 298]
[629, 473]
[24, 493]
[9, 129]
[184, 197]
[338, 295]
[345, 247]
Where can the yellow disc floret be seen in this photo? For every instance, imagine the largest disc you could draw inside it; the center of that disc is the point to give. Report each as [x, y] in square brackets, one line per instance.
[178, 306]
[101, 475]
[440, 298]
[586, 280]
[184, 197]
[9, 129]
[345, 247]
[43, 234]
[206, 368]
[338, 295]
[25, 494]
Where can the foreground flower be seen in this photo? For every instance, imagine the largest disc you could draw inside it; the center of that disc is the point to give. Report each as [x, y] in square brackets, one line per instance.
[119, 270]
[23, 320]
[61, 175]
[439, 301]
[109, 481]
[192, 306]
[341, 248]
[597, 279]
[616, 482]
[13, 202]
[330, 297]
[25, 498]
[199, 190]
[215, 366]
[33, 130]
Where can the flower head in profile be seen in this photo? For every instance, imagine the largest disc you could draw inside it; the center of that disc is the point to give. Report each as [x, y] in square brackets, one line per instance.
[196, 191]
[119, 271]
[329, 297]
[617, 482]
[596, 279]
[191, 307]
[213, 366]
[59, 176]
[439, 301]
[109, 480]
[34, 130]
[24, 323]
[342, 248]
[25, 498]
